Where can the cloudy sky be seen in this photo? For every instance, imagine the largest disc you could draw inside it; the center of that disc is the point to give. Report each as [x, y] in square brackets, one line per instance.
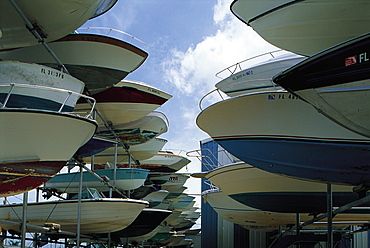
[188, 42]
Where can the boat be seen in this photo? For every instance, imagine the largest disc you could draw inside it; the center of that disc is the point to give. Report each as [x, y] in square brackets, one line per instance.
[192, 215]
[176, 194]
[139, 131]
[178, 197]
[184, 225]
[122, 178]
[185, 242]
[255, 74]
[147, 237]
[145, 222]
[267, 191]
[51, 20]
[162, 234]
[255, 219]
[278, 132]
[304, 27]
[126, 101]
[142, 191]
[94, 215]
[168, 181]
[336, 82]
[95, 145]
[100, 61]
[29, 85]
[165, 161]
[164, 204]
[245, 216]
[176, 240]
[184, 204]
[155, 198]
[36, 144]
[171, 219]
[104, 6]
[138, 152]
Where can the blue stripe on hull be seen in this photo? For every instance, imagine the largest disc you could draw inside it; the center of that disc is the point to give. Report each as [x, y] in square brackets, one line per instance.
[121, 174]
[296, 202]
[93, 146]
[22, 101]
[332, 162]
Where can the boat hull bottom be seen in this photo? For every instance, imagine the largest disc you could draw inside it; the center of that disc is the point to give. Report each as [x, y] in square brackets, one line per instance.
[326, 162]
[20, 177]
[294, 202]
[344, 104]
[95, 78]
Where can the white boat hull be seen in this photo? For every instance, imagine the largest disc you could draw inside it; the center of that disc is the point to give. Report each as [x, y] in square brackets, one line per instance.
[97, 215]
[22, 74]
[145, 237]
[248, 184]
[165, 162]
[126, 179]
[56, 19]
[139, 131]
[119, 113]
[28, 135]
[155, 198]
[255, 219]
[257, 77]
[270, 113]
[304, 27]
[36, 145]
[336, 82]
[168, 181]
[138, 152]
[126, 101]
[264, 133]
[99, 61]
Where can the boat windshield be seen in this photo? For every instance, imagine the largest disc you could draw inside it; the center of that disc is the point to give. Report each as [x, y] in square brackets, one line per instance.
[103, 7]
[88, 193]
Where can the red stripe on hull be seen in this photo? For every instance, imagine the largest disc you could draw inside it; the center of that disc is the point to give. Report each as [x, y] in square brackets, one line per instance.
[128, 94]
[20, 177]
[106, 40]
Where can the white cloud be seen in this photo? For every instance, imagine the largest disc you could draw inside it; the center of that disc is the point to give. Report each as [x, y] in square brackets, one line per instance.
[193, 71]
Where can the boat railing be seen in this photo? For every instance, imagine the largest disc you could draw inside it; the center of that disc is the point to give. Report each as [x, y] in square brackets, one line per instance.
[261, 87]
[68, 94]
[178, 152]
[113, 33]
[212, 160]
[242, 65]
[213, 94]
[245, 90]
[164, 117]
[213, 188]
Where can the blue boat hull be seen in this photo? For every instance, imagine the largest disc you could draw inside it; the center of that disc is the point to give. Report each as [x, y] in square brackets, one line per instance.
[329, 162]
[297, 202]
[126, 179]
[23, 101]
[93, 146]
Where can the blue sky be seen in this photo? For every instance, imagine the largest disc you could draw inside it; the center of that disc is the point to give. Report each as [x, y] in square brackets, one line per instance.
[188, 42]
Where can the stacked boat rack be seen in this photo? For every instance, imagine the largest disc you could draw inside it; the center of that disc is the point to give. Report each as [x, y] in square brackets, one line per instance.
[52, 232]
[217, 173]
